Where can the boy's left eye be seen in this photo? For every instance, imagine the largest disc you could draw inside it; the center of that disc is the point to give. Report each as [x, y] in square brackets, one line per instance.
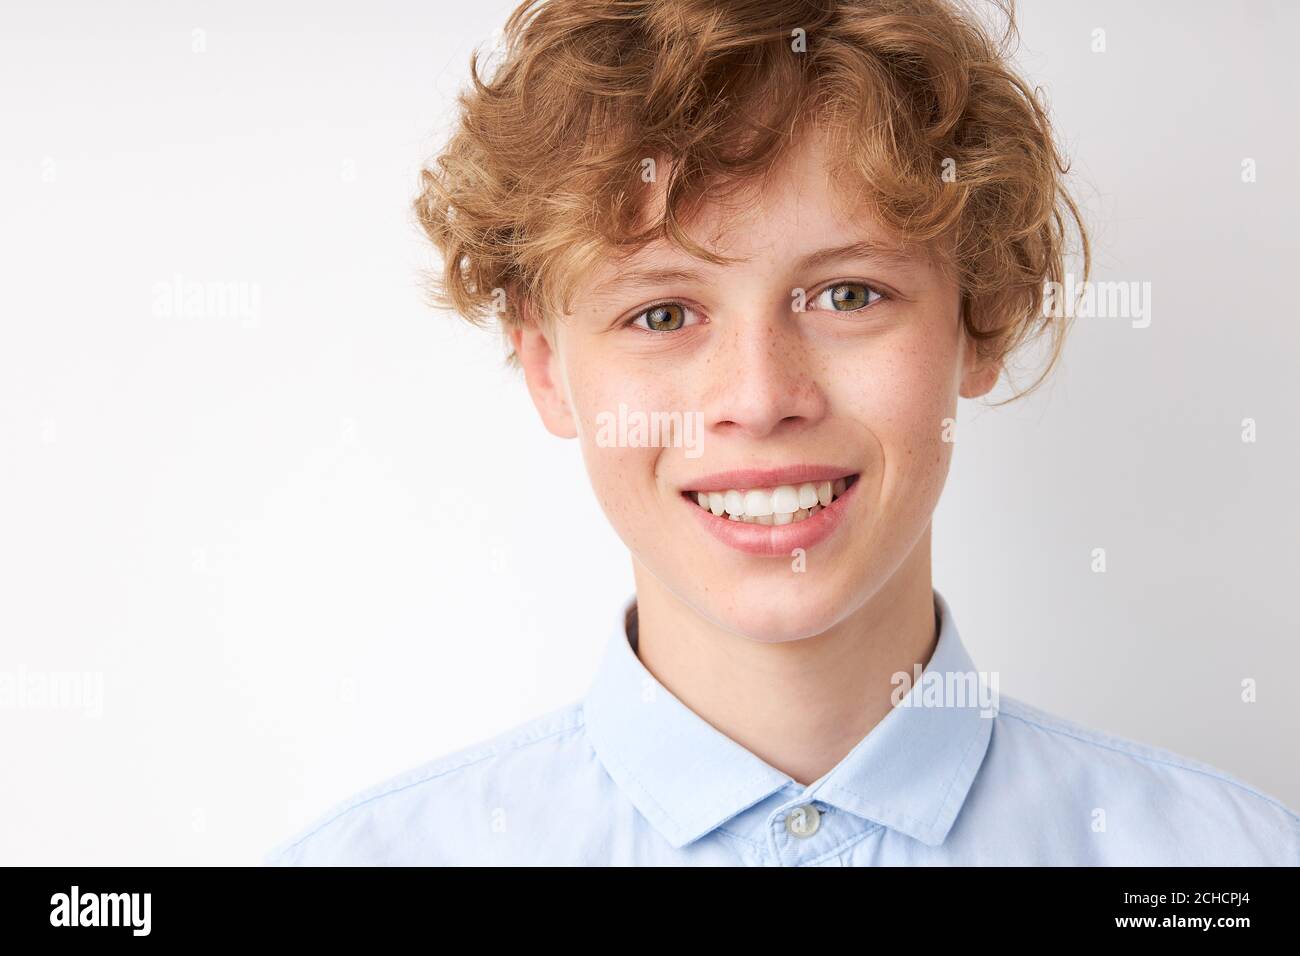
[664, 317]
[846, 297]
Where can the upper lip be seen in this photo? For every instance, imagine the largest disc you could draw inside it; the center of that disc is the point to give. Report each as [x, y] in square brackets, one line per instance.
[745, 478]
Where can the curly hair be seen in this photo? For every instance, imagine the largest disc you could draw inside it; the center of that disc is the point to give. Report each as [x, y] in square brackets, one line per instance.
[931, 129]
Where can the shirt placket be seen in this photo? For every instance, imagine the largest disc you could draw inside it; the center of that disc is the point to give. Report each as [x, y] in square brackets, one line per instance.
[804, 831]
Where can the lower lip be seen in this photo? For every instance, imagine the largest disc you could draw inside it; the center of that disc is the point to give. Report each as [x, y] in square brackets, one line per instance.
[771, 540]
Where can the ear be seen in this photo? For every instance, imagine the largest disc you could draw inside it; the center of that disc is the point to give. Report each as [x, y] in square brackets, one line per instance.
[544, 376]
[978, 373]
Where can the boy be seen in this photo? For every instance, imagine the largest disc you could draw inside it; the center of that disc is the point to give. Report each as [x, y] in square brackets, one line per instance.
[798, 232]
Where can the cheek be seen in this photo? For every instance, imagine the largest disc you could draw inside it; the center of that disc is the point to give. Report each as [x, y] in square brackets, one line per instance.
[601, 382]
[904, 397]
[605, 393]
[623, 477]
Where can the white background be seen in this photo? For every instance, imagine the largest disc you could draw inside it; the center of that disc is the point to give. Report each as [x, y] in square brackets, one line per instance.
[311, 549]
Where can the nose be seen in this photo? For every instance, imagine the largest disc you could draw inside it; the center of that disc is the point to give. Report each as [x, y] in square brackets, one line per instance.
[762, 378]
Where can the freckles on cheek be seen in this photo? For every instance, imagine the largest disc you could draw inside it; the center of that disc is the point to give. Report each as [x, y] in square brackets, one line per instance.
[901, 400]
[601, 388]
[624, 480]
[923, 454]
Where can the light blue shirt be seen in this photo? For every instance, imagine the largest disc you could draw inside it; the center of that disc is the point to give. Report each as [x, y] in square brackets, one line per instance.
[631, 776]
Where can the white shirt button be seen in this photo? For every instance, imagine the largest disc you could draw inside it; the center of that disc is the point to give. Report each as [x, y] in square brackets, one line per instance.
[803, 821]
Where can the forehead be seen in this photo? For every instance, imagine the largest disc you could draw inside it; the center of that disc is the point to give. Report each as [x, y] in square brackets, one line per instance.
[800, 214]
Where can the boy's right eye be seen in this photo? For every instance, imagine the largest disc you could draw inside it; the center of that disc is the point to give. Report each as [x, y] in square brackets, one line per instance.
[664, 317]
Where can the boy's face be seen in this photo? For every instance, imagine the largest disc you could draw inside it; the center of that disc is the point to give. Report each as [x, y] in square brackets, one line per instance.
[859, 383]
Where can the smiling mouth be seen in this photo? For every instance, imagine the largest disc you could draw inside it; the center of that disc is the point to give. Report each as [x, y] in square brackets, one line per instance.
[779, 505]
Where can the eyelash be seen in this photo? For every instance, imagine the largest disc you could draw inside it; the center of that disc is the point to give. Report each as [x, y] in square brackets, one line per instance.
[880, 294]
[632, 322]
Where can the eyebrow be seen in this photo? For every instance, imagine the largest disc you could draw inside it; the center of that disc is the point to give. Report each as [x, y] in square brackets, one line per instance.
[860, 249]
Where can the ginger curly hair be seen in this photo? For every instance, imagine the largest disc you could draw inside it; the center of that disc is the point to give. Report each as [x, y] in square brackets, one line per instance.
[541, 177]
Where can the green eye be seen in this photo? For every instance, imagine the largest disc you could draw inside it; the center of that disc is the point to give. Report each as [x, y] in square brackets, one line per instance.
[668, 317]
[851, 296]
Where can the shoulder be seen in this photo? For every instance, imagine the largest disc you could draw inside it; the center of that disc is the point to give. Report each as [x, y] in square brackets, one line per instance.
[449, 807]
[1164, 806]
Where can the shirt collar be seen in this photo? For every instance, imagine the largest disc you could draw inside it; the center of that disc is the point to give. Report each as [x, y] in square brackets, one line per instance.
[911, 773]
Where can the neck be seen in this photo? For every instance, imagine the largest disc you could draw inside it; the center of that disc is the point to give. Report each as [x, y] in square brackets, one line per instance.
[799, 705]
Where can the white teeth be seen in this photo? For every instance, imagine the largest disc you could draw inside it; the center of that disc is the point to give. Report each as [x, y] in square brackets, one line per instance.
[785, 500]
[807, 495]
[784, 504]
[758, 503]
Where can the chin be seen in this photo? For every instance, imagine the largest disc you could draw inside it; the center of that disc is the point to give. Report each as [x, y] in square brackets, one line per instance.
[772, 612]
